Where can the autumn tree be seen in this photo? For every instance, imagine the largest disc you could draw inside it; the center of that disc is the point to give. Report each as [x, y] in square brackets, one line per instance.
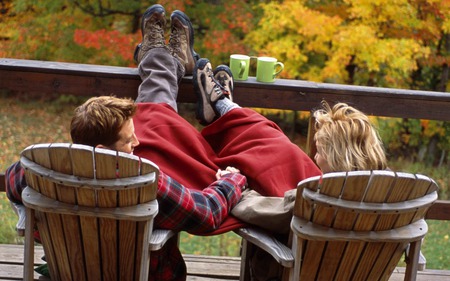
[400, 44]
[376, 43]
[107, 31]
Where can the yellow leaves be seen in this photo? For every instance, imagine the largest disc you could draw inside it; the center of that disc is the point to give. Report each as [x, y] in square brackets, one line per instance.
[375, 12]
[334, 70]
[352, 44]
[381, 40]
[290, 31]
[431, 128]
[444, 7]
[293, 19]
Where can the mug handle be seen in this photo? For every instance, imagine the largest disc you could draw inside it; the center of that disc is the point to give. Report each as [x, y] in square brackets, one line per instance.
[242, 67]
[280, 66]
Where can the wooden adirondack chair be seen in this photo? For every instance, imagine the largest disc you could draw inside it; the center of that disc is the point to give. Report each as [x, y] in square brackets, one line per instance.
[353, 226]
[94, 209]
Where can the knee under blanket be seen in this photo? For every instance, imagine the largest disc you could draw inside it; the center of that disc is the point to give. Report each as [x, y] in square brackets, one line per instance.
[242, 138]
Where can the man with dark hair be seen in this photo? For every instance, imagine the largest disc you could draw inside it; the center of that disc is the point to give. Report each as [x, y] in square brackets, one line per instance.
[107, 122]
[190, 161]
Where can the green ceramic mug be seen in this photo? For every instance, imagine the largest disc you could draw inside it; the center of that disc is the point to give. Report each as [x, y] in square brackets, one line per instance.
[239, 65]
[267, 68]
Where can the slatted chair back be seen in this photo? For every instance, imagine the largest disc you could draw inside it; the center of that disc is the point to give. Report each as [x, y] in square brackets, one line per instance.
[356, 225]
[94, 210]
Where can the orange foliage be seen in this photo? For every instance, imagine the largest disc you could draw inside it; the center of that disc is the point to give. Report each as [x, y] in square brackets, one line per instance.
[111, 41]
[222, 41]
[233, 18]
[172, 5]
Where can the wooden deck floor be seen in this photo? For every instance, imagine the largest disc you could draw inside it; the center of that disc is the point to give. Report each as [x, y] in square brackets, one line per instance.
[200, 268]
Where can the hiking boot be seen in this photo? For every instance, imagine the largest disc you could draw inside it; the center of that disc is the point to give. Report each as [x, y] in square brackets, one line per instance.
[152, 28]
[208, 91]
[181, 41]
[223, 75]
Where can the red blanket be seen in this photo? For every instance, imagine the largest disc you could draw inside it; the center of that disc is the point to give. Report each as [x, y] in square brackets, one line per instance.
[242, 138]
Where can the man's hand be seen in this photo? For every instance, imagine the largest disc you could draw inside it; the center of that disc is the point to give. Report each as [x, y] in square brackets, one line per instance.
[228, 170]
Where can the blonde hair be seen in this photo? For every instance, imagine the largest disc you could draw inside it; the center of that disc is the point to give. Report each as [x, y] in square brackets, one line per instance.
[100, 119]
[347, 139]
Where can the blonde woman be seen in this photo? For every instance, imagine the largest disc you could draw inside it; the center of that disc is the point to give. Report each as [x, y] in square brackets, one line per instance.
[346, 140]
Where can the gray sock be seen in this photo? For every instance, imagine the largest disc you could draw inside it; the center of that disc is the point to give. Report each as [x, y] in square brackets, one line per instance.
[224, 105]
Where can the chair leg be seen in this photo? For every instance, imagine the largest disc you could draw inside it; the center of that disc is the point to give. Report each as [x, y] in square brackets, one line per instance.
[412, 261]
[422, 260]
[245, 263]
[297, 246]
[28, 271]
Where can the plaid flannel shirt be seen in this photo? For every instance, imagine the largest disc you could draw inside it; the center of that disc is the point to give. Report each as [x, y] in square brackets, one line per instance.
[15, 182]
[180, 209]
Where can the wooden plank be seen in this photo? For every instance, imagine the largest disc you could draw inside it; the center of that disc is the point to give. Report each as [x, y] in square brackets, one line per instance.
[127, 255]
[440, 210]
[11, 261]
[428, 274]
[13, 272]
[354, 189]
[328, 261]
[60, 156]
[199, 267]
[56, 78]
[106, 169]
[214, 267]
[11, 253]
[39, 154]
[88, 225]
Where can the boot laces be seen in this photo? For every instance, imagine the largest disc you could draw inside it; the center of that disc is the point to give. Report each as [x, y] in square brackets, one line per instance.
[218, 88]
[174, 40]
[156, 37]
[157, 31]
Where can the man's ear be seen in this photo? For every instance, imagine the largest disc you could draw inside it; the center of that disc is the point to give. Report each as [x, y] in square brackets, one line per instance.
[101, 146]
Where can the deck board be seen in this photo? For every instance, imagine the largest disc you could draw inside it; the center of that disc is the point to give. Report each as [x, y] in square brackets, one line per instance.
[200, 268]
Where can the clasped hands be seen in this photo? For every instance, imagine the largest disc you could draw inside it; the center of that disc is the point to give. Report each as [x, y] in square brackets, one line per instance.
[228, 170]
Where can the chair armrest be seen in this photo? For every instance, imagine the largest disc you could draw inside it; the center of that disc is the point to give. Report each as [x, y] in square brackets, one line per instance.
[311, 231]
[159, 238]
[261, 238]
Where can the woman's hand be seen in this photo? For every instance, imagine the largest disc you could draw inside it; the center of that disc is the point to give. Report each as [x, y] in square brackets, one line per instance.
[228, 170]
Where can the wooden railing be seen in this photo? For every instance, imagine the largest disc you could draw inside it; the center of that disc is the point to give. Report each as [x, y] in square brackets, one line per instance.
[55, 78]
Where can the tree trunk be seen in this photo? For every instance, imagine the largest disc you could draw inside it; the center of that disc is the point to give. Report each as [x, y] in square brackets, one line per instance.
[442, 86]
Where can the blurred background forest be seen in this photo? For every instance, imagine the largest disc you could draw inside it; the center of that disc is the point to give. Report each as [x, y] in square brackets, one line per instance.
[384, 43]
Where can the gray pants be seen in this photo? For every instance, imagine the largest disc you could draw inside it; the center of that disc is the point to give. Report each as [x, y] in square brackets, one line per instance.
[161, 74]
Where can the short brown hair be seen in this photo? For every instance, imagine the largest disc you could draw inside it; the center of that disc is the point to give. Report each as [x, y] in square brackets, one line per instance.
[100, 119]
